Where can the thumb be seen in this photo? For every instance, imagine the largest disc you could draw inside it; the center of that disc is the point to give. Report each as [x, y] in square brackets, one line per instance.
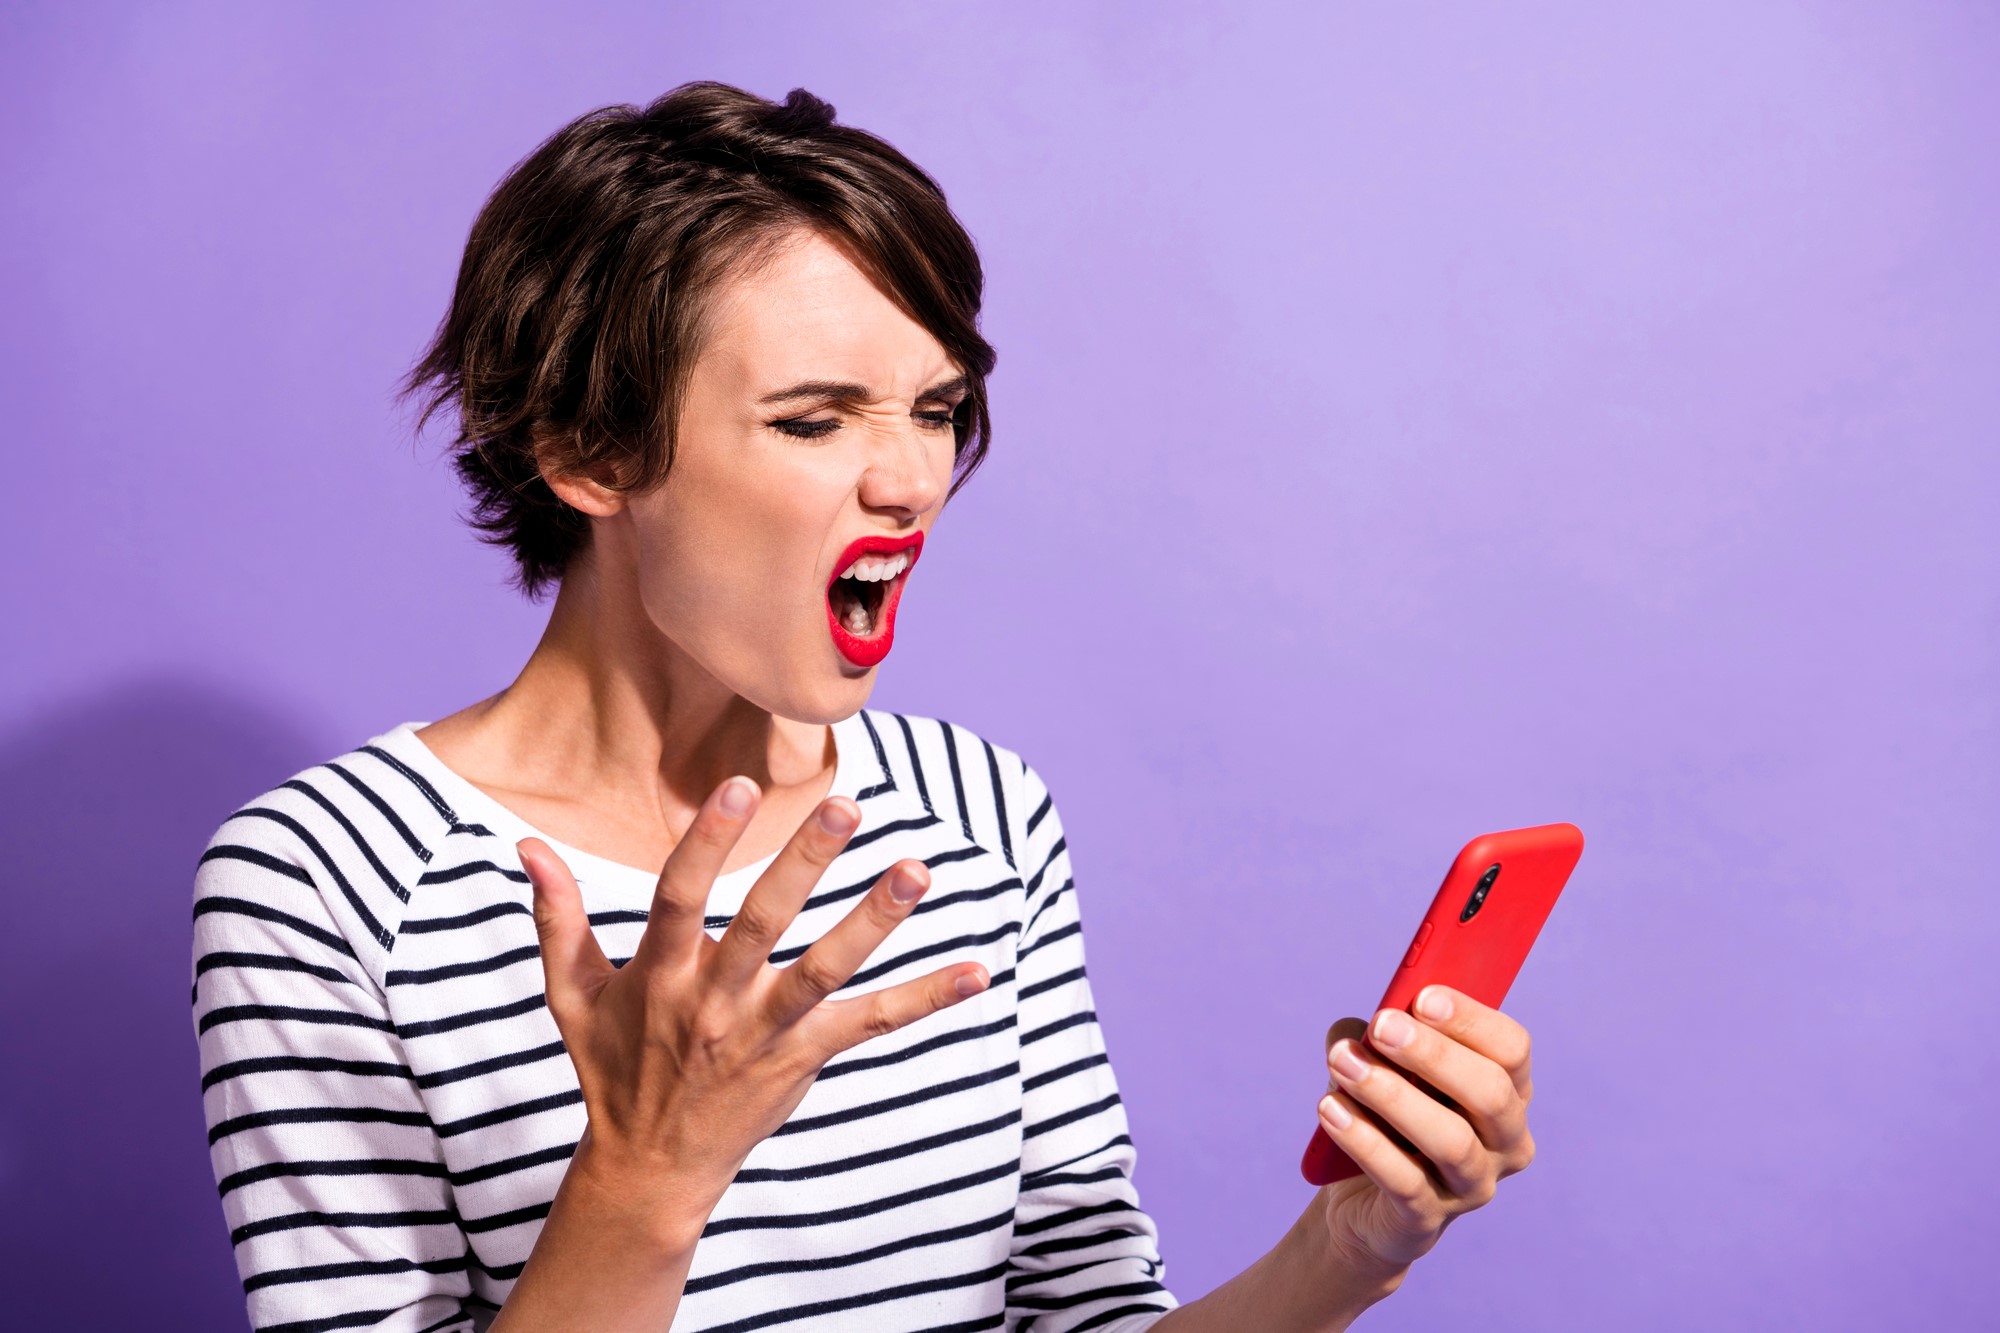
[1357, 1028]
[573, 966]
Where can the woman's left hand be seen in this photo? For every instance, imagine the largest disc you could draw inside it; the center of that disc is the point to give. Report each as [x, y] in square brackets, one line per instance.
[1476, 1056]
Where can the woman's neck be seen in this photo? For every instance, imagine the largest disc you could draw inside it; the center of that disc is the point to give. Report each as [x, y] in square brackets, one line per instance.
[612, 736]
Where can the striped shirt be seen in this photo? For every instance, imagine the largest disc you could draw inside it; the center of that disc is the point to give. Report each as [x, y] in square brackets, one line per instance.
[390, 1108]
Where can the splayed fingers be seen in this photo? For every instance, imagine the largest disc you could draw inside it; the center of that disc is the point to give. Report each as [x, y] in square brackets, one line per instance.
[674, 934]
[774, 901]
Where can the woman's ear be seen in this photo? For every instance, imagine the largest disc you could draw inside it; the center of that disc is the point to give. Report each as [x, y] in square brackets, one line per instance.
[576, 489]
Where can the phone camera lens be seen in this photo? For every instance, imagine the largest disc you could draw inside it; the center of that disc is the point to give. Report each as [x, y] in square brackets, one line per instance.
[1479, 892]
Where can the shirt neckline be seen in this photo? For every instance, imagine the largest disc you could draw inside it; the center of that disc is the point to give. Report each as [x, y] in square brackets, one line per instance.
[598, 876]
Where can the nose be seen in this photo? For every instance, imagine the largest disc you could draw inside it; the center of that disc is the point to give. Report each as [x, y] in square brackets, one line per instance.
[908, 473]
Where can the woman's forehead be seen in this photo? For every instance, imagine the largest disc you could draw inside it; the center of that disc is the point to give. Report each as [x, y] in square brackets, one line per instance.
[806, 312]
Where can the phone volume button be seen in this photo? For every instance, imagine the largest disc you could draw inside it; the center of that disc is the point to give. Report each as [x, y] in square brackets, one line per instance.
[1417, 945]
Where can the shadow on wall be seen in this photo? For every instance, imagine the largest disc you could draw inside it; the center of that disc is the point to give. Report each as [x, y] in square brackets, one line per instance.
[110, 1217]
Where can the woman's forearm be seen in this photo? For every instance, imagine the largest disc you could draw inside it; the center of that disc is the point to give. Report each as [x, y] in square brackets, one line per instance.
[1302, 1285]
[610, 1258]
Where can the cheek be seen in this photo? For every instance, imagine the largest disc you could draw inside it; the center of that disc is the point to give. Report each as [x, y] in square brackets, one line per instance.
[727, 565]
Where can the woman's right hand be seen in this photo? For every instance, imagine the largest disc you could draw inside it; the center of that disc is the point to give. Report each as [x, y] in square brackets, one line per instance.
[698, 1049]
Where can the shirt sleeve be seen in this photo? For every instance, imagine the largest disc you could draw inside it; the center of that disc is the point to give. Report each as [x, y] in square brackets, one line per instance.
[332, 1178]
[1085, 1254]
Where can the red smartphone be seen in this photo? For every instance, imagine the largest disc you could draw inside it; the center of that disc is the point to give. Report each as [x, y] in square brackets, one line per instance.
[1474, 939]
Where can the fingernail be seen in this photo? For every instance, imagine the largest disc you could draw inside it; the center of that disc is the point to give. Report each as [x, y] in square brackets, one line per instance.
[1434, 1004]
[905, 884]
[970, 984]
[1347, 1064]
[1331, 1111]
[737, 794]
[1393, 1028]
[838, 818]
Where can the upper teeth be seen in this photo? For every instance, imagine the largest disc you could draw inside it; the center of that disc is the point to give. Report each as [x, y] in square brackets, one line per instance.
[876, 568]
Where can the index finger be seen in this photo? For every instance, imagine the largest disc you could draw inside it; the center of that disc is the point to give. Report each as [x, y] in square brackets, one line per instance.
[1481, 1027]
[680, 899]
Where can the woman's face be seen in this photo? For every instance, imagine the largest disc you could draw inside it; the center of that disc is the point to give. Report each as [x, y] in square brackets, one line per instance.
[817, 416]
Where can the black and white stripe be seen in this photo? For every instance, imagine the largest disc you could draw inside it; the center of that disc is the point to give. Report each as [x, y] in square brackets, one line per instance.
[390, 1108]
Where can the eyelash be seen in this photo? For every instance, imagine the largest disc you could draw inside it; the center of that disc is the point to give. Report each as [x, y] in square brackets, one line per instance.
[801, 429]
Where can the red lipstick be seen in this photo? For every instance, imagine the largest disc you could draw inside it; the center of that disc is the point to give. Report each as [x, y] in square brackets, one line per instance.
[880, 598]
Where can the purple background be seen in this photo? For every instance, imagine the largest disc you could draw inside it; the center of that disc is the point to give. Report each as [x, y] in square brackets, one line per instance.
[1413, 420]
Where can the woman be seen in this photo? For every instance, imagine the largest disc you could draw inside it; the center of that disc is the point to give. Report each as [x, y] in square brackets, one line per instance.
[472, 1058]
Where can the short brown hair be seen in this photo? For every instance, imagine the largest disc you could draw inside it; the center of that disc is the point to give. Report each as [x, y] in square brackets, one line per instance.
[580, 300]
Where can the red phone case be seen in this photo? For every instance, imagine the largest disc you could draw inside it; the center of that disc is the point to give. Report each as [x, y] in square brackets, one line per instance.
[1480, 956]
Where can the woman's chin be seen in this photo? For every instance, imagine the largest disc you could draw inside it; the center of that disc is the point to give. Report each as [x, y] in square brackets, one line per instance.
[824, 695]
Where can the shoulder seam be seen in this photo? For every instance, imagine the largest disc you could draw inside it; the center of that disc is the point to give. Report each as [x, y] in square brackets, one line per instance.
[338, 798]
[959, 743]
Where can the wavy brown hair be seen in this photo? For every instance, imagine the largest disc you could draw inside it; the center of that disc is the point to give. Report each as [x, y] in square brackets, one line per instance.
[580, 303]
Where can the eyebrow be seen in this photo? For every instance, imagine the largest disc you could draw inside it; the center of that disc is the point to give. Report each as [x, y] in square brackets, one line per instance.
[845, 392]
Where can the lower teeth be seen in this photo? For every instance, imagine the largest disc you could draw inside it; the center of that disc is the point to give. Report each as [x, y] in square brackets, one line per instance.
[858, 621]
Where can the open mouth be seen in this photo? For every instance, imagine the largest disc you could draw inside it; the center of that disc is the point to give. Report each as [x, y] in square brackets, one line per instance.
[861, 599]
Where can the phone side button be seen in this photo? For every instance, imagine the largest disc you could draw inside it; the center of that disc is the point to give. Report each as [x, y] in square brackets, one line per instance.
[1417, 945]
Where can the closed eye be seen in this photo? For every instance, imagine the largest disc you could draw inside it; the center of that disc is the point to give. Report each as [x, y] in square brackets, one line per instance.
[814, 428]
[802, 429]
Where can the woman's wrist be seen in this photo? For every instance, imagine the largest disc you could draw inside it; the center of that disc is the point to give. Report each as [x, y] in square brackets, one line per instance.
[1369, 1276]
[643, 1197]
[613, 1253]
[1306, 1283]
[1353, 1279]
